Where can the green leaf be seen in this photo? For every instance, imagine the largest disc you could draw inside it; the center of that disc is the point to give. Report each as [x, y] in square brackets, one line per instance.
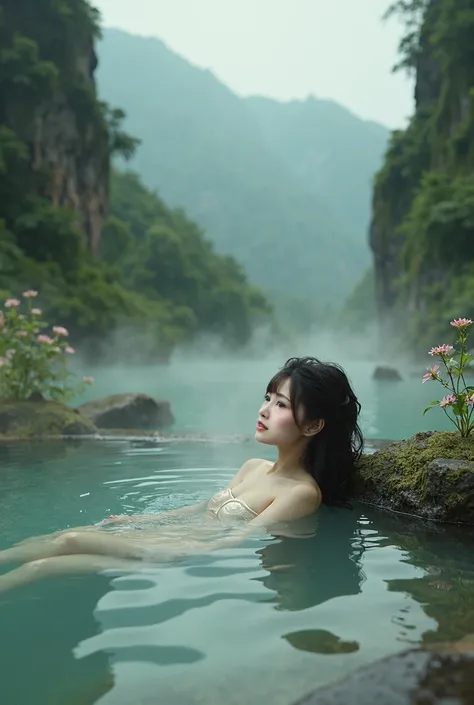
[430, 406]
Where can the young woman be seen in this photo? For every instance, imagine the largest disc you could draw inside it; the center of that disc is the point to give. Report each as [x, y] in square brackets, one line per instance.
[310, 414]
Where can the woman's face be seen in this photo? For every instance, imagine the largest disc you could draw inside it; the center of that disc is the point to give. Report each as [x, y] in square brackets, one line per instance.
[276, 425]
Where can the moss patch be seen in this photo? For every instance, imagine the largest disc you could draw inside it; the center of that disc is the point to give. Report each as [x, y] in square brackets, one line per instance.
[431, 474]
[31, 419]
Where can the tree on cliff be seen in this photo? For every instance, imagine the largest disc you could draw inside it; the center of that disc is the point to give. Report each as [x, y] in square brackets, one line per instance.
[423, 207]
[157, 274]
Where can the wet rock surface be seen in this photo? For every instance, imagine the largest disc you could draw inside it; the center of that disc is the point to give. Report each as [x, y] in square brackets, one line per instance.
[443, 675]
[430, 475]
[128, 411]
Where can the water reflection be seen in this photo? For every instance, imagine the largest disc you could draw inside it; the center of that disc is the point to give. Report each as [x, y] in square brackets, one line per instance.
[445, 589]
[40, 629]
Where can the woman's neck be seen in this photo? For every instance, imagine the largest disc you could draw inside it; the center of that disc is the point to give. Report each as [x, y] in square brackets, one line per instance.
[289, 461]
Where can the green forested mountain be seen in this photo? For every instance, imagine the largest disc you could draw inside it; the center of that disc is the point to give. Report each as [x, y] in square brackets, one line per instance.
[328, 149]
[104, 255]
[422, 232]
[284, 188]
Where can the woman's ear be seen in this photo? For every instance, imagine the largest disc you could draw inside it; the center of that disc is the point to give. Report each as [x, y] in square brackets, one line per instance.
[314, 428]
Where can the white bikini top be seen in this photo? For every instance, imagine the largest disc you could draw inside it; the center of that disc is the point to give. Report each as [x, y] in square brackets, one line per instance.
[224, 505]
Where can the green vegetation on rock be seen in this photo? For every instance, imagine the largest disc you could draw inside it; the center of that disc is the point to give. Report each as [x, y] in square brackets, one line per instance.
[131, 265]
[430, 475]
[423, 203]
[25, 420]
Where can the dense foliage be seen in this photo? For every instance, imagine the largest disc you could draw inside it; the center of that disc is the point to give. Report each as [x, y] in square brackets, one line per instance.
[284, 187]
[158, 275]
[424, 193]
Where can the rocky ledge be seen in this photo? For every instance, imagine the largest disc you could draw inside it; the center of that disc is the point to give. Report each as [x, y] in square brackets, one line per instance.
[23, 420]
[128, 411]
[442, 674]
[430, 475]
[39, 418]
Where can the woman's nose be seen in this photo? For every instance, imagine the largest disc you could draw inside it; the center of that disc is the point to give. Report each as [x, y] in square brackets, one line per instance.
[264, 410]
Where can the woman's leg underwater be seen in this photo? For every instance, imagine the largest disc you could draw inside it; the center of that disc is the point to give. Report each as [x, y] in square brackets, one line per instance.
[71, 543]
[64, 565]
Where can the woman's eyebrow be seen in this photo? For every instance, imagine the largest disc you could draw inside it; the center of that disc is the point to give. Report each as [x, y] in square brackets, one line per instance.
[282, 395]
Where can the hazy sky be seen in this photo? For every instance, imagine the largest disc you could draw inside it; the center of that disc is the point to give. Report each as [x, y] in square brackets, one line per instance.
[285, 49]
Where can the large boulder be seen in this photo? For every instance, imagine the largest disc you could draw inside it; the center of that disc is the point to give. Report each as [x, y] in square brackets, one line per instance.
[128, 411]
[441, 674]
[41, 419]
[430, 475]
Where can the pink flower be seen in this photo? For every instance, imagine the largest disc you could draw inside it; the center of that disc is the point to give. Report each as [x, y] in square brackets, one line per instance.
[431, 374]
[88, 380]
[45, 339]
[69, 350]
[21, 333]
[470, 399]
[11, 303]
[59, 330]
[440, 350]
[36, 311]
[448, 400]
[30, 294]
[461, 323]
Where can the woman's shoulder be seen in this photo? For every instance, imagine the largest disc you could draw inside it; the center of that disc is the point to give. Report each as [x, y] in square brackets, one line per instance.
[254, 463]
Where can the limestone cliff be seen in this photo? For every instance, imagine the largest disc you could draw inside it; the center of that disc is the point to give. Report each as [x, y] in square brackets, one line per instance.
[53, 110]
[75, 156]
[423, 204]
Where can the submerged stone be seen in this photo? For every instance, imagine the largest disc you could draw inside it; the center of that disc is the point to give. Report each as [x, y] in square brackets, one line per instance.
[443, 674]
[430, 475]
[128, 411]
[41, 419]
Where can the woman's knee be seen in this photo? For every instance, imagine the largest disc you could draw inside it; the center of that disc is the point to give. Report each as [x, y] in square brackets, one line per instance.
[68, 542]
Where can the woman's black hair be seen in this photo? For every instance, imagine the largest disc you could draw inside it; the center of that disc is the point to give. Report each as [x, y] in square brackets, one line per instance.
[322, 391]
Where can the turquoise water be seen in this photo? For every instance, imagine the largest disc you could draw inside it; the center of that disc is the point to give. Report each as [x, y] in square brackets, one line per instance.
[220, 396]
[264, 622]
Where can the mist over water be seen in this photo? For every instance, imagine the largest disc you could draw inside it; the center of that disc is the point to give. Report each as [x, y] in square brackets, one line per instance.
[214, 391]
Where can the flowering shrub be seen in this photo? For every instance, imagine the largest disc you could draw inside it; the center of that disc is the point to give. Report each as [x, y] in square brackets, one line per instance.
[458, 404]
[32, 360]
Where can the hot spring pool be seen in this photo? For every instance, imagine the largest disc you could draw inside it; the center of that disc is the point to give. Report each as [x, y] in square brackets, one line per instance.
[265, 622]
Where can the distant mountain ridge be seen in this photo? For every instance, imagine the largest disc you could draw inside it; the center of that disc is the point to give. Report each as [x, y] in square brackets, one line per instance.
[284, 187]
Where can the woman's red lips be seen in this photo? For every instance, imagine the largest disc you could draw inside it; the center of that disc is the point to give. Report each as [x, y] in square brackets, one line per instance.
[261, 426]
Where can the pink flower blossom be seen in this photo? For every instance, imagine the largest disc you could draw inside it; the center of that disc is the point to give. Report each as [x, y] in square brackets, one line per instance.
[431, 374]
[30, 294]
[68, 350]
[448, 400]
[45, 339]
[36, 311]
[88, 380]
[59, 330]
[470, 399]
[461, 323]
[440, 350]
[11, 303]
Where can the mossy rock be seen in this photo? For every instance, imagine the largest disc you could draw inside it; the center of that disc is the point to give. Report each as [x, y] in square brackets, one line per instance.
[430, 475]
[41, 419]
